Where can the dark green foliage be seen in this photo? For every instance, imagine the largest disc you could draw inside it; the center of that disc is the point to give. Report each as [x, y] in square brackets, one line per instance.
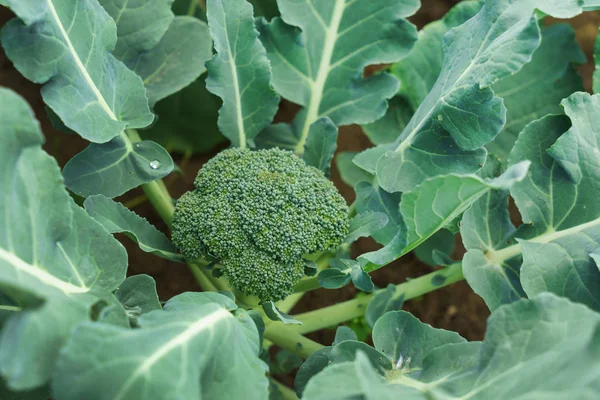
[259, 212]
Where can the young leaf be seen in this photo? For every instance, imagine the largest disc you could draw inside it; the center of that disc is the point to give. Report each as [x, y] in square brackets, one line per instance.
[366, 224]
[343, 333]
[371, 198]
[343, 271]
[505, 365]
[52, 253]
[200, 352]
[113, 168]
[406, 341]
[320, 65]
[321, 144]
[275, 314]
[116, 218]
[558, 204]
[239, 73]
[385, 301]
[93, 93]
[138, 296]
[461, 113]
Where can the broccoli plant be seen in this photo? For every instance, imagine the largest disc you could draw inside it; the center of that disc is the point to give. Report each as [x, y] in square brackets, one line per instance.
[258, 213]
[477, 121]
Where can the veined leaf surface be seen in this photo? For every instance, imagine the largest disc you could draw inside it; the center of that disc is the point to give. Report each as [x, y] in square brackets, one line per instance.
[200, 351]
[525, 343]
[116, 218]
[93, 93]
[52, 254]
[321, 66]
[435, 204]
[558, 203]
[239, 73]
[461, 113]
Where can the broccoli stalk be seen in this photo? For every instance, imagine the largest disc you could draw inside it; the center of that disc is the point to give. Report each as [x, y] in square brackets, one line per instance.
[258, 213]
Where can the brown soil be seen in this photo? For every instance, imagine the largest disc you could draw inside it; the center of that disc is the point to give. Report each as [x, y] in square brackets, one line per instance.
[455, 308]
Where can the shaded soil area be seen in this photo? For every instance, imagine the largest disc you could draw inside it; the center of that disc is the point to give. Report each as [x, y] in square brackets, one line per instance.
[455, 308]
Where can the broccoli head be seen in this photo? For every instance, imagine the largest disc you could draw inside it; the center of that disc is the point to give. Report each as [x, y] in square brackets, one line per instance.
[258, 213]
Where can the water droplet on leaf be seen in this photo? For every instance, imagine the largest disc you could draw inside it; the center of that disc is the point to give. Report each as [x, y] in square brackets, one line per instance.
[155, 164]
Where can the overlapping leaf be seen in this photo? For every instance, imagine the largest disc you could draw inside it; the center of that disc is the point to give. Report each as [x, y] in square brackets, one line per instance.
[53, 256]
[461, 113]
[558, 203]
[167, 52]
[66, 45]
[318, 51]
[532, 348]
[239, 73]
[116, 218]
[196, 349]
[113, 168]
[434, 205]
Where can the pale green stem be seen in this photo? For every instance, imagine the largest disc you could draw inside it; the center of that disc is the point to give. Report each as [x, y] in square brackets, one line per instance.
[348, 310]
[286, 338]
[10, 308]
[286, 392]
[202, 278]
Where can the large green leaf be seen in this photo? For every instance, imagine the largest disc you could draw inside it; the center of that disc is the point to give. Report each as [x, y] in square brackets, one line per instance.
[461, 113]
[66, 45]
[116, 218]
[542, 348]
[113, 168]
[167, 53]
[538, 88]
[140, 24]
[200, 351]
[53, 256]
[419, 71]
[318, 51]
[239, 73]
[437, 203]
[558, 203]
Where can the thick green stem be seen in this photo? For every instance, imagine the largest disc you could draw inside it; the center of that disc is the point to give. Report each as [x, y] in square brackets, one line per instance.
[342, 312]
[202, 278]
[306, 285]
[161, 200]
[284, 337]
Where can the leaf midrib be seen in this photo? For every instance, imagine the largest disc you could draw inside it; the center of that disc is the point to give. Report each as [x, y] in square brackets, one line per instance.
[78, 62]
[39, 274]
[181, 339]
[318, 85]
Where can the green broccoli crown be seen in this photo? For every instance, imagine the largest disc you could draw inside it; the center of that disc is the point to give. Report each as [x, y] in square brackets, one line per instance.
[258, 212]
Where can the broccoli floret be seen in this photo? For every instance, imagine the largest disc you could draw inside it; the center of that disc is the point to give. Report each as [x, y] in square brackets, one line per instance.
[259, 212]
